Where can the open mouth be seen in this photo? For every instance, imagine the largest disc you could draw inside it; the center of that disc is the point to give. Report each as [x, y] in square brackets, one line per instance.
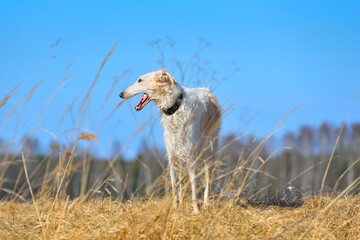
[140, 105]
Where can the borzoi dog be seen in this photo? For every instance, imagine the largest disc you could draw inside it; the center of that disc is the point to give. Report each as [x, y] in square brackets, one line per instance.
[191, 122]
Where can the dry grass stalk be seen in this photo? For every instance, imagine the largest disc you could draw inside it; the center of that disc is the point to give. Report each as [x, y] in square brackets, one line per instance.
[32, 195]
[336, 143]
[87, 137]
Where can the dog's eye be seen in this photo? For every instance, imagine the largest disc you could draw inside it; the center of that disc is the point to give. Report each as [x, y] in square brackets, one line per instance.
[139, 80]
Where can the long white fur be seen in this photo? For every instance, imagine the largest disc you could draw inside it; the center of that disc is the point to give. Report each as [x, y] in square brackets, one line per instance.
[190, 134]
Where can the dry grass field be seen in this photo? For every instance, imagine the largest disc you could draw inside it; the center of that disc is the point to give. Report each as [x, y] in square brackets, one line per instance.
[318, 218]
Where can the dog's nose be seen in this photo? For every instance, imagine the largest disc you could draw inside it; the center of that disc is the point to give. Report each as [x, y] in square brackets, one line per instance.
[121, 95]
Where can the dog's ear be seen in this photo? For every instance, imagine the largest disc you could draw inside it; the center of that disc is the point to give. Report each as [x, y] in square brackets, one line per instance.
[164, 77]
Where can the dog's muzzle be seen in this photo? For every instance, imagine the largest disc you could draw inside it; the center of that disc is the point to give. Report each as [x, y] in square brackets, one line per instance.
[121, 95]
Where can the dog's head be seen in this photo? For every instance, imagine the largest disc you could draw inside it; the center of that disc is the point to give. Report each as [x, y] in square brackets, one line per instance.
[154, 86]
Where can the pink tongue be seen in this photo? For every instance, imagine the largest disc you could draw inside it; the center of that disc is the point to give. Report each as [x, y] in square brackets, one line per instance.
[142, 100]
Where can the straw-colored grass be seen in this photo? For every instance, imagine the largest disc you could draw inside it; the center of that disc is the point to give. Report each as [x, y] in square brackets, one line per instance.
[155, 219]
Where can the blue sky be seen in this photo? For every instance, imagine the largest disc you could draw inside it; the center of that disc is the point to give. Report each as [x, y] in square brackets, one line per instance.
[288, 53]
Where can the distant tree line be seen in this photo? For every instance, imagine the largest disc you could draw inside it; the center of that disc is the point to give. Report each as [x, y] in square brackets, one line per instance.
[245, 163]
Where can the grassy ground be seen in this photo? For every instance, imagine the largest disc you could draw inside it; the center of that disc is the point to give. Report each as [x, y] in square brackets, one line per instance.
[318, 218]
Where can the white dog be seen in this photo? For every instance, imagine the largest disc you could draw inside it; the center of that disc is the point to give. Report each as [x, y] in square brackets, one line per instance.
[191, 121]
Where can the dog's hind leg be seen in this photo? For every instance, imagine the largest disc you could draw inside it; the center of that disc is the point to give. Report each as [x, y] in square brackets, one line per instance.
[207, 185]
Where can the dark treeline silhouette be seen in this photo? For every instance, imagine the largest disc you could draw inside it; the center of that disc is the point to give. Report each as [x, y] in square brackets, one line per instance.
[308, 162]
[304, 161]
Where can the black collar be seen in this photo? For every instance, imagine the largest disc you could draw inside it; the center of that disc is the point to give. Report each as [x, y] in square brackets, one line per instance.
[174, 107]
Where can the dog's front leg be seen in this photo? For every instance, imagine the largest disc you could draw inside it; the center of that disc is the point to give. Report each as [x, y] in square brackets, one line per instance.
[193, 189]
[180, 187]
[173, 183]
[192, 141]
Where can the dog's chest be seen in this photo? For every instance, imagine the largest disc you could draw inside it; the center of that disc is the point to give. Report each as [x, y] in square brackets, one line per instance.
[174, 124]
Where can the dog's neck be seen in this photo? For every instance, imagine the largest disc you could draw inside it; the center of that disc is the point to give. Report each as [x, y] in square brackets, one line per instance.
[171, 100]
[175, 106]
